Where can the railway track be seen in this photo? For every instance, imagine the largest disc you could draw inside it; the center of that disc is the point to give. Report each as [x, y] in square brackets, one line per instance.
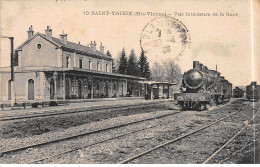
[231, 139]
[95, 143]
[98, 142]
[179, 138]
[82, 134]
[78, 110]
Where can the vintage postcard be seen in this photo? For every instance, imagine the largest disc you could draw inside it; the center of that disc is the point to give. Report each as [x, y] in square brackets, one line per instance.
[129, 82]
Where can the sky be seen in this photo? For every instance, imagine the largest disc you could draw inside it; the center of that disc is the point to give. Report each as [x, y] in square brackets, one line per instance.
[225, 41]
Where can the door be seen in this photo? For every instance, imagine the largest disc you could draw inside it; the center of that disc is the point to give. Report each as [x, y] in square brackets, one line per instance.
[30, 89]
[67, 89]
[9, 90]
[80, 89]
[52, 89]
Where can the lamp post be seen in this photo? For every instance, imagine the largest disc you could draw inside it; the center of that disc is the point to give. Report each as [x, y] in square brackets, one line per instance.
[13, 100]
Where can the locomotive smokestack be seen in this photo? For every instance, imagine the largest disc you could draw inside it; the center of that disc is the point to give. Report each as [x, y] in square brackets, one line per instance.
[196, 65]
[216, 67]
[253, 83]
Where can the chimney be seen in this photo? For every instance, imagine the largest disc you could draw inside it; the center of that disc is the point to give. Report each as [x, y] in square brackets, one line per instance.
[93, 46]
[196, 65]
[48, 32]
[101, 48]
[30, 32]
[63, 38]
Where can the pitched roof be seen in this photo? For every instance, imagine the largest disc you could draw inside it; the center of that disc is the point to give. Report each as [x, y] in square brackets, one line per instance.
[71, 47]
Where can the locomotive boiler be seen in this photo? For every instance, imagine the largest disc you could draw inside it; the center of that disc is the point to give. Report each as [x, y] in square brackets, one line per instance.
[202, 87]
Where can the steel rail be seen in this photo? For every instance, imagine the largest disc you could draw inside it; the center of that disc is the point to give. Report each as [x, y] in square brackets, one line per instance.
[80, 135]
[230, 140]
[174, 140]
[92, 144]
[10, 118]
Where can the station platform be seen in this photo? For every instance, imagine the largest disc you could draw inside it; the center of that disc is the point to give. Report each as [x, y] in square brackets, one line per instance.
[79, 104]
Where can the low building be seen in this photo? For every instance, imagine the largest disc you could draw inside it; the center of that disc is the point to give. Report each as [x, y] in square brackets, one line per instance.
[54, 68]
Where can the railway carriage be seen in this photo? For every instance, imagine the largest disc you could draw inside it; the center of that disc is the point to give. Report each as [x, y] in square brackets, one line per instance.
[253, 91]
[203, 87]
[238, 93]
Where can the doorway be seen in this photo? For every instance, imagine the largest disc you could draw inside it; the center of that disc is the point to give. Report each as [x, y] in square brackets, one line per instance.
[30, 89]
[9, 90]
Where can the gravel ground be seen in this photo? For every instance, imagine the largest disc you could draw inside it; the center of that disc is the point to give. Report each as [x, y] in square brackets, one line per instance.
[245, 149]
[193, 149]
[197, 148]
[119, 149]
[33, 153]
[36, 126]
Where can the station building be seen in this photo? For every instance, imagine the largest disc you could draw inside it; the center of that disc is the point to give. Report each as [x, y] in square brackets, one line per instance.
[55, 68]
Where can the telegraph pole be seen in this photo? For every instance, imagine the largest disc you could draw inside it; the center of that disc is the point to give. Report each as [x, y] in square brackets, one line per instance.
[12, 58]
[13, 99]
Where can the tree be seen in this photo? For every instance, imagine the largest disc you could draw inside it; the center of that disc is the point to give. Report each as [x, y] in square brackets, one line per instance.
[144, 69]
[167, 71]
[158, 71]
[122, 63]
[132, 65]
[117, 61]
[172, 71]
[113, 62]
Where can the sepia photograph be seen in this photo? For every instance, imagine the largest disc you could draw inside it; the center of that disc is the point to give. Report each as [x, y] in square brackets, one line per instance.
[129, 82]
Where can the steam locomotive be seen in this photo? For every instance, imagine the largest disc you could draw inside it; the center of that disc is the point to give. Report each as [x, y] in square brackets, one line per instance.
[253, 91]
[203, 87]
[238, 93]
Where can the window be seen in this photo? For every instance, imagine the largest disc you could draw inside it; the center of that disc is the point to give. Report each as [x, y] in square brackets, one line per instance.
[106, 67]
[80, 63]
[98, 66]
[39, 46]
[89, 64]
[67, 62]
